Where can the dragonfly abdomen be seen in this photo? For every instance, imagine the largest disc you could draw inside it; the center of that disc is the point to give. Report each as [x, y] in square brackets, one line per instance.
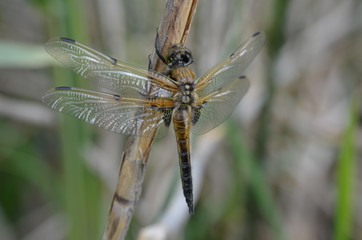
[182, 123]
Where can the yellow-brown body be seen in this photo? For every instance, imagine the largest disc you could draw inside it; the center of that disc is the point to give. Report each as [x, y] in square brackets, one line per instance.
[184, 99]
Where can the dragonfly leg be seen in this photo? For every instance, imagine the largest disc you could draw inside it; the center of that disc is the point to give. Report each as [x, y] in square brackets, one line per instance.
[158, 52]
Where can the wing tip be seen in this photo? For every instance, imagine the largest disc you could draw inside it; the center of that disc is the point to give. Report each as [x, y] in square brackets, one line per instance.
[259, 34]
[256, 34]
[63, 88]
[67, 39]
[52, 44]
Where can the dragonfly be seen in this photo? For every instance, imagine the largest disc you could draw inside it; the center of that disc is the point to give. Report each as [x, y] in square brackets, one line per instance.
[141, 101]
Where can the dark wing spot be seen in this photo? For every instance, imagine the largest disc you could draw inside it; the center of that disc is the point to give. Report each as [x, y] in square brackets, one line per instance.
[116, 96]
[63, 88]
[67, 39]
[167, 117]
[256, 34]
[242, 77]
[195, 115]
[114, 61]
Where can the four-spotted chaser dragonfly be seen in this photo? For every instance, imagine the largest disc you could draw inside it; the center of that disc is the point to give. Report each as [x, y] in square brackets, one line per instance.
[146, 100]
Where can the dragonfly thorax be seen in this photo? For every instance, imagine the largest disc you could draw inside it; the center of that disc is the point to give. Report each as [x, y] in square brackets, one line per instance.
[186, 93]
[186, 99]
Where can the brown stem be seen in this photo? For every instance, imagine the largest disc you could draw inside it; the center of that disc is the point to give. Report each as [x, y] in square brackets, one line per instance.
[174, 28]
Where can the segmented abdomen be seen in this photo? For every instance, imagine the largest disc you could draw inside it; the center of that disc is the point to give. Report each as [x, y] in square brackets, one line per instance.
[181, 123]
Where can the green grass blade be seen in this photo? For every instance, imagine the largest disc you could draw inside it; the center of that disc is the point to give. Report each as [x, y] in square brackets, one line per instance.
[81, 190]
[253, 174]
[346, 174]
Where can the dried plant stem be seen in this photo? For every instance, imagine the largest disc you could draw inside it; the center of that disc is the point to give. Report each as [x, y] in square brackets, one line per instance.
[173, 28]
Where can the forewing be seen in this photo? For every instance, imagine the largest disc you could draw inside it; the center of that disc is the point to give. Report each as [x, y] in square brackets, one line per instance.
[222, 87]
[235, 65]
[108, 72]
[217, 103]
[111, 112]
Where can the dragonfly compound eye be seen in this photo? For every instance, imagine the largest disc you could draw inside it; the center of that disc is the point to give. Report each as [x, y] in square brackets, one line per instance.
[186, 58]
[179, 56]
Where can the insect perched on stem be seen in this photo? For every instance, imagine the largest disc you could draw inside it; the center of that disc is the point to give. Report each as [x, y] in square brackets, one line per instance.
[146, 100]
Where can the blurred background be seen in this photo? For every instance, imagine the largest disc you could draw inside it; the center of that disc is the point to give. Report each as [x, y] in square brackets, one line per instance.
[286, 164]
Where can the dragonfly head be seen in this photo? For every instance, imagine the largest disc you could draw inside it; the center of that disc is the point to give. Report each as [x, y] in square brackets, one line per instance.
[178, 56]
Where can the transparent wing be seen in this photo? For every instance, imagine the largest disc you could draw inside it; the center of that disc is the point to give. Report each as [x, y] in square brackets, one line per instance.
[216, 103]
[108, 72]
[235, 64]
[222, 87]
[111, 112]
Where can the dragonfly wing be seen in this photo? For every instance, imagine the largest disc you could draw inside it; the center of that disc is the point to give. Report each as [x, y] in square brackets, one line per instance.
[217, 103]
[108, 111]
[222, 87]
[237, 62]
[108, 72]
